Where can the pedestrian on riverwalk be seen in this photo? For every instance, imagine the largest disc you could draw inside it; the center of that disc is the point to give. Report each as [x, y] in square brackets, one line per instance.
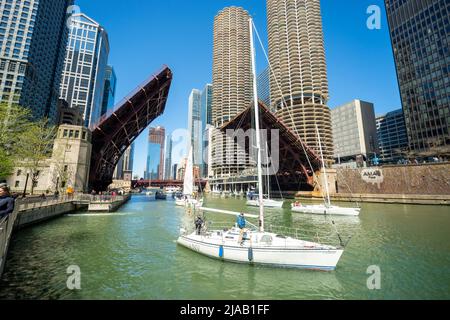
[7, 202]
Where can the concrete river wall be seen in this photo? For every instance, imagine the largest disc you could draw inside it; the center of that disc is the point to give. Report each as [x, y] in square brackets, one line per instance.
[32, 211]
[415, 184]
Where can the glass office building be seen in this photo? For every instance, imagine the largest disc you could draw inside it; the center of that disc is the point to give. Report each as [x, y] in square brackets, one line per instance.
[168, 158]
[155, 154]
[153, 164]
[207, 96]
[109, 90]
[84, 71]
[392, 137]
[420, 34]
[195, 125]
[263, 82]
[33, 37]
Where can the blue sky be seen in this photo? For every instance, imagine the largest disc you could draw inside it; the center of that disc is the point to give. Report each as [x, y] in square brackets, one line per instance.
[145, 34]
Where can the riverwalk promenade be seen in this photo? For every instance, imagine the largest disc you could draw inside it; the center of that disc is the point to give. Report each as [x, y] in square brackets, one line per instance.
[36, 210]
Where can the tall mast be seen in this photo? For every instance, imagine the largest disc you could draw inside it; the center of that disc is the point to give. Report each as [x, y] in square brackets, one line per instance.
[324, 169]
[258, 137]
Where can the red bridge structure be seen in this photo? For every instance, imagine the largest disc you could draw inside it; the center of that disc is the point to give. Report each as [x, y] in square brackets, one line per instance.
[296, 158]
[117, 130]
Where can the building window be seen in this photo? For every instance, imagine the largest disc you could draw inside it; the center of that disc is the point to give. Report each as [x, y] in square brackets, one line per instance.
[35, 184]
[19, 172]
[77, 134]
[17, 184]
[65, 133]
[84, 135]
[66, 168]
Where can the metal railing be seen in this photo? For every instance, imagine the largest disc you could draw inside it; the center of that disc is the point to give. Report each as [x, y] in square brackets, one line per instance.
[322, 236]
[6, 228]
[103, 198]
[35, 203]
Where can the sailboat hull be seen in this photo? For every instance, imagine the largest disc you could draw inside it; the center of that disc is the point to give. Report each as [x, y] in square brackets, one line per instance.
[302, 256]
[268, 203]
[324, 210]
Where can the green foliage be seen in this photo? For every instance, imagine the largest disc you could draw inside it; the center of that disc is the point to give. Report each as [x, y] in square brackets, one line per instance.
[6, 164]
[23, 140]
[14, 120]
[35, 146]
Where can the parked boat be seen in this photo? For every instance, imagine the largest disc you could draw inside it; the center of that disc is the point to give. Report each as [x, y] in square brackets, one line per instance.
[267, 203]
[159, 195]
[253, 200]
[188, 199]
[171, 190]
[325, 208]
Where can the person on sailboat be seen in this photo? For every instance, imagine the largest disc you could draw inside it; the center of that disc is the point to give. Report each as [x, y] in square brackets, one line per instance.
[198, 224]
[241, 224]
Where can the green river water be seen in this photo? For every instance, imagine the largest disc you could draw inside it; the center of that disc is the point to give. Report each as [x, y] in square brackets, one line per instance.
[132, 254]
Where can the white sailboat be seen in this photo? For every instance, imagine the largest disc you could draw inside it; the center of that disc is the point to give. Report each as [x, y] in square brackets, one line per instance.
[188, 200]
[325, 208]
[256, 245]
[267, 202]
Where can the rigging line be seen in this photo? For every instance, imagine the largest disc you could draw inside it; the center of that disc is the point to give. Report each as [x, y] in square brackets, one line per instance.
[274, 173]
[285, 105]
[292, 119]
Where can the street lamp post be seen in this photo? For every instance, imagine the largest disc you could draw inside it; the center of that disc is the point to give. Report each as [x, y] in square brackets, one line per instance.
[26, 184]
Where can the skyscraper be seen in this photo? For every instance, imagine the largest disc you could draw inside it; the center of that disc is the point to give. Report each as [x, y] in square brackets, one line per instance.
[232, 87]
[354, 131]
[155, 154]
[168, 158]
[420, 39]
[207, 95]
[33, 37]
[124, 167]
[195, 125]
[109, 90]
[83, 79]
[299, 85]
[392, 137]
[175, 171]
[264, 86]
[128, 162]
[206, 122]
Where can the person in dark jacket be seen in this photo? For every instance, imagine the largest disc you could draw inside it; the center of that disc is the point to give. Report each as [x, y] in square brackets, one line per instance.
[6, 202]
[198, 225]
